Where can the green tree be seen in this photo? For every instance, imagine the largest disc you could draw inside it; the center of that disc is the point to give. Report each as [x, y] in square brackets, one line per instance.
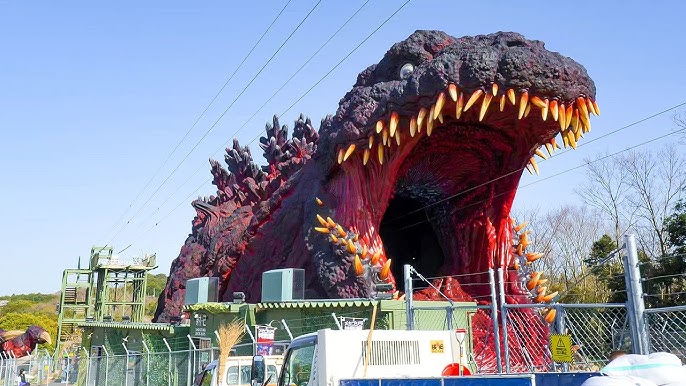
[609, 272]
[156, 284]
[665, 281]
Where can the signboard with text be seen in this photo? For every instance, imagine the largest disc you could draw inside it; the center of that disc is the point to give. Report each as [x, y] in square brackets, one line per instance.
[265, 339]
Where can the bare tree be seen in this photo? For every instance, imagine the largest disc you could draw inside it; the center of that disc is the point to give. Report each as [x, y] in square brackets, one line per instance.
[606, 189]
[656, 182]
[565, 237]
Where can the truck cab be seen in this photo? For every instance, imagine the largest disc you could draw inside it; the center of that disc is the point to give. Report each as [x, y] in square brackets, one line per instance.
[238, 371]
[328, 356]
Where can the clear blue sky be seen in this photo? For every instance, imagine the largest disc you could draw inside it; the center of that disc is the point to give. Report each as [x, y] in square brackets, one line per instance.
[93, 97]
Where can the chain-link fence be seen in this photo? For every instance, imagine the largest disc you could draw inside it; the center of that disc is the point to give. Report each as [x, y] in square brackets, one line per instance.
[667, 330]
[37, 367]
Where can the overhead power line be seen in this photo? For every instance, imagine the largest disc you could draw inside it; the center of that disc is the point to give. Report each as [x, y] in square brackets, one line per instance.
[202, 114]
[216, 122]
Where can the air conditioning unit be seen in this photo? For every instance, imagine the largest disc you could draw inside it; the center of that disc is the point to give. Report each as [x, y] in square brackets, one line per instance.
[283, 285]
[201, 290]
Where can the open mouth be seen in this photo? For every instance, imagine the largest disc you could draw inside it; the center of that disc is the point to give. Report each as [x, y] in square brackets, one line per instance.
[431, 185]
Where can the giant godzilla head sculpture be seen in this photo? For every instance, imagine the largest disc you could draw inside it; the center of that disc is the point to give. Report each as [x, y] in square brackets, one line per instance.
[419, 165]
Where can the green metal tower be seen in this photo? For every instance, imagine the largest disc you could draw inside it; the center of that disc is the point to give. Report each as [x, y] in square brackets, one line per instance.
[110, 290]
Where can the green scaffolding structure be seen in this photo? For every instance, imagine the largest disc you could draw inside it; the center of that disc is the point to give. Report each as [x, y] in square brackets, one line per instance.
[110, 290]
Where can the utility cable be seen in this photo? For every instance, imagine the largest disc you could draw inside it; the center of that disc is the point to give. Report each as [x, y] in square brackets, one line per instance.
[201, 114]
[218, 119]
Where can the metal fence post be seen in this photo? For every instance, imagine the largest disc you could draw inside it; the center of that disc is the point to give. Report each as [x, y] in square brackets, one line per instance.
[634, 292]
[126, 365]
[335, 320]
[288, 330]
[191, 361]
[494, 317]
[107, 364]
[503, 318]
[409, 312]
[560, 324]
[88, 364]
[147, 363]
[169, 367]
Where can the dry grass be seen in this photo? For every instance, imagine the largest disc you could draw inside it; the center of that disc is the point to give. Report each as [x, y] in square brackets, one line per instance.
[229, 335]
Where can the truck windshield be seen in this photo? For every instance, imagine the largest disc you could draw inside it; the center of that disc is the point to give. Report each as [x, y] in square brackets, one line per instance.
[298, 366]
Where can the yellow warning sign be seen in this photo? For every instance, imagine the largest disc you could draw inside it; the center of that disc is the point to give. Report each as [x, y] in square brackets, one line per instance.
[561, 348]
[437, 347]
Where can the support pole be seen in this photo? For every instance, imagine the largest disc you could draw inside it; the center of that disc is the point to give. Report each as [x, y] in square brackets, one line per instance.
[503, 318]
[169, 365]
[409, 312]
[494, 317]
[288, 330]
[147, 363]
[107, 365]
[634, 291]
[126, 366]
[335, 319]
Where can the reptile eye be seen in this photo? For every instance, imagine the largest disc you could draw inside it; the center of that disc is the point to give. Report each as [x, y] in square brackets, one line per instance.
[406, 70]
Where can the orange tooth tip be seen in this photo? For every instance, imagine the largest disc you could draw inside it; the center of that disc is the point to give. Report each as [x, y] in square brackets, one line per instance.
[393, 123]
[533, 282]
[550, 316]
[340, 230]
[430, 122]
[356, 237]
[568, 115]
[563, 116]
[440, 101]
[384, 136]
[523, 103]
[526, 112]
[420, 118]
[596, 108]
[375, 258]
[511, 96]
[348, 152]
[581, 105]
[528, 169]
[541, 290]
[385, 270]
[363, 253]
[321, 229]
[452, 91]
[359, 268]
[459, 106]
[472, 99]
[532, 160]
[572, 139]
[397, 137]
[554, 143]
[524, 239]
[379, 126]
[413, 126]
[379, 153]
[371, 141]
[549, 148]
[516, 265]
[322, 221]
[521, 226]
[531, 257]
[589, 105]
[340, 156]
[554, 110]
[351, 247]
[318, 201]
[565, 140]
[544, 110]
[520, 248]
[538, 102]
[494, 89]
[541, 154]
[331, 223]
[440, 117]
[502, 103]
[365, 156]
[334, 239]
[484, 106]
[550, 297]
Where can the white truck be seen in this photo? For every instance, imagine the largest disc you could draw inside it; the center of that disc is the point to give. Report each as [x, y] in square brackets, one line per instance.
[328, 356]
